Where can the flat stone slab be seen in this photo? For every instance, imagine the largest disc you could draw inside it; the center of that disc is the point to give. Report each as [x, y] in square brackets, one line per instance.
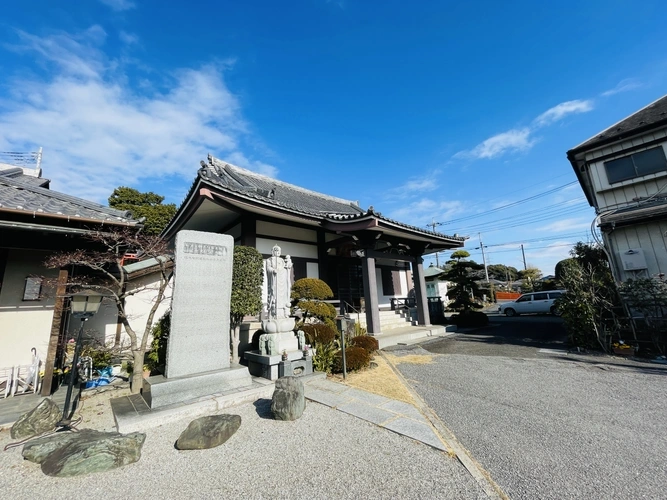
[327, 385]
[326, 398]
[367, 412]
[415, 430]
[366, 397]
[67, 454]
[405, 409]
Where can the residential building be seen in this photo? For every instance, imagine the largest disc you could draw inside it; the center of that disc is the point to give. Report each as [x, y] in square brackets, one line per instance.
[623, 172]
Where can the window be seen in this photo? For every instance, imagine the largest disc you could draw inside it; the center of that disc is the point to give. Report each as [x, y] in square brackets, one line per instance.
[524, 298]
[642, 163]
[540, 296]
[387, 282]
[33, 288]
[555, 295]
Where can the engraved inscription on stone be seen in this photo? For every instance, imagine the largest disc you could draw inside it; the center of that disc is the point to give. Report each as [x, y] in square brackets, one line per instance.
[204, 249]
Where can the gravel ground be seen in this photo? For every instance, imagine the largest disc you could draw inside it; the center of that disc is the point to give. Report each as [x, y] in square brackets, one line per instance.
[324, 454]
[551, 428]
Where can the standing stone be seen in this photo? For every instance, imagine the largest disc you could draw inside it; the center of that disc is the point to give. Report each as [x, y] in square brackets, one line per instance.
[42, 418]
[84, 452]
[197, 362]
[208, 432]
[288, 400]
[199, 336]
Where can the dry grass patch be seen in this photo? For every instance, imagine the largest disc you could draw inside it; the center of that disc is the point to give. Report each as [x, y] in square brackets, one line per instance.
[414, 359]
[381, 380]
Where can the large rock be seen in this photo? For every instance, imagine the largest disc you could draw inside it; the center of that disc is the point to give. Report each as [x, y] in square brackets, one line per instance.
[208, 432]
[42, 418]
[68, 454]
[288, 400]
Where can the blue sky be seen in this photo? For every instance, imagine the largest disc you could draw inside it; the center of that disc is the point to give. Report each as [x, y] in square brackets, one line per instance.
[433, 112]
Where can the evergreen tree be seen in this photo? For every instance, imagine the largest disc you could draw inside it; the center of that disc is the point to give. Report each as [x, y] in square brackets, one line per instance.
[148, 205]
[464, 274]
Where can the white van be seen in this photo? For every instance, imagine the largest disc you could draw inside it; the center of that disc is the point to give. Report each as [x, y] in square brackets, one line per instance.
[532, 303]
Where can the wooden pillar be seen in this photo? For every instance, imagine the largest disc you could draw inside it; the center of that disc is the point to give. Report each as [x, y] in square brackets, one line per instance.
[423, 317]
[248, 231]
[56, 326]
[322, 257]
[371, 295]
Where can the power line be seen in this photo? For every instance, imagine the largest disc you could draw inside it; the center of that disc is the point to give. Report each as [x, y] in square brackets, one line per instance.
[513, 204]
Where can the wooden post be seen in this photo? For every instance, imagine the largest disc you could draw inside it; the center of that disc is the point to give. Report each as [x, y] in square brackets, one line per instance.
[371, 295]
[56, 325]
[423, 317]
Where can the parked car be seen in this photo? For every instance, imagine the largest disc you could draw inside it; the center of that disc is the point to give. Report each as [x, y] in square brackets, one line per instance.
[532, 303]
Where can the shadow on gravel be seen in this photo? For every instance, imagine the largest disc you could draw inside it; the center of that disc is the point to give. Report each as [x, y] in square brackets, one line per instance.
[603, 362]
[263, 408]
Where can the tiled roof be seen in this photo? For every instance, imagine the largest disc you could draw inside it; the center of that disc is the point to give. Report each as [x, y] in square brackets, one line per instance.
[655, 114]
[294, 198]
[20, 193]
[272, 191]
[16, 173]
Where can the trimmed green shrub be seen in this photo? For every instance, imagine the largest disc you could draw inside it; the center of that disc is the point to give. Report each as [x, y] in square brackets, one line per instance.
[308, 294]
[356, 358]
[156, 358]
[311, 289]
[319, 333]
[365, 342]
[324, 339]
[470, 319]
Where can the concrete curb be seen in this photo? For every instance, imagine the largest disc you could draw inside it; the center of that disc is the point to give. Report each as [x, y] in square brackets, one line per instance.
[483, 478]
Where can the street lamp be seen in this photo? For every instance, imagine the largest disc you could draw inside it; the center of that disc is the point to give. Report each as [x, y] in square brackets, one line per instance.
[84, 305]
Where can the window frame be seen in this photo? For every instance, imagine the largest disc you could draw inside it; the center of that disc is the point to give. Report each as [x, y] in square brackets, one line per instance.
[31, 283]
[636, 174]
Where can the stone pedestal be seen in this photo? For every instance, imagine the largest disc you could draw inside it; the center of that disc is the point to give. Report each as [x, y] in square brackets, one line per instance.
[160, 391]
[267, 366]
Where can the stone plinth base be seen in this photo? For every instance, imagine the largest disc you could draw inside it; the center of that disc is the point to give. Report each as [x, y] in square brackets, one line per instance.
[159, 391]
[262, 365]
[296, 368]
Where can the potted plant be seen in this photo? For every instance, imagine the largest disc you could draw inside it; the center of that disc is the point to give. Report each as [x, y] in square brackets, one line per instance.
[623, 349]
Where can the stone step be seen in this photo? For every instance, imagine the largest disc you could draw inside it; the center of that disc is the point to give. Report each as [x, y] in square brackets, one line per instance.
[412, 334]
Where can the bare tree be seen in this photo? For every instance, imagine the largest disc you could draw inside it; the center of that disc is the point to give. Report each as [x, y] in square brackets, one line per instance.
[101, 269]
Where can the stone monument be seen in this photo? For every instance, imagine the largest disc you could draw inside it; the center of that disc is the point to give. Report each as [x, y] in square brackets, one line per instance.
[279, 340]
[198, 350]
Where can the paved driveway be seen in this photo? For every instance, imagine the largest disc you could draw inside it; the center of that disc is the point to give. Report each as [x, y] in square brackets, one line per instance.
[549, 425]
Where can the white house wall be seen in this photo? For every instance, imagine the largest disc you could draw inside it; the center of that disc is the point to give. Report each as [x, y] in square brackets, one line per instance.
[24, 324]
[621, 193]
[650, 237]
[264, 246]
[274, 230]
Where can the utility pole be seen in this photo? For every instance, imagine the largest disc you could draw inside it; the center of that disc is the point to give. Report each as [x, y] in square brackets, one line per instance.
[433, 224]
[524, 258]
[481, 245]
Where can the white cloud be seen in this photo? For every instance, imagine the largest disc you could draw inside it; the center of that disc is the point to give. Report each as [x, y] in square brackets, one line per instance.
[563, 109]
[512, 141]
[119, 5]
[424, 211]
[98, 131]
[519, 140]
[128, 38]
[622, 86]
[413, 187]
[566, 225]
